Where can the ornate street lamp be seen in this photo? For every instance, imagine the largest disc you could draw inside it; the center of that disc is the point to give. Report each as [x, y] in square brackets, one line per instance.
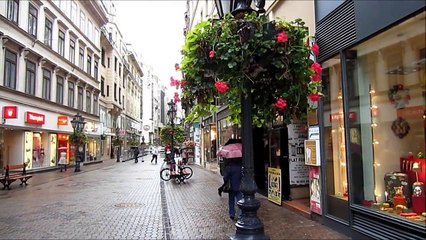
[249, 225]
[117, 138]
[172, 114]
[77, 124]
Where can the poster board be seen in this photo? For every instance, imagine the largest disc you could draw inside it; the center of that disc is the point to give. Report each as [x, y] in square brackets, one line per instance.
[315, 190]
[312, 153]
[274, 185]
[298, 171]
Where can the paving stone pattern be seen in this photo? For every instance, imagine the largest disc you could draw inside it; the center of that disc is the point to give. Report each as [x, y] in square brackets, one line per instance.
[129, 201]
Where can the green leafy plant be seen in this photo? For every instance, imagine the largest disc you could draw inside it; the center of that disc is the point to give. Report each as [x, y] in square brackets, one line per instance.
[178, 135]
[117, 142]
[276, 57]
[133, 141]
[78, 138]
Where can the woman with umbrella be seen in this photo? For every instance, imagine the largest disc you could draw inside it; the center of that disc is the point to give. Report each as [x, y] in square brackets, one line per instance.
[231, 152]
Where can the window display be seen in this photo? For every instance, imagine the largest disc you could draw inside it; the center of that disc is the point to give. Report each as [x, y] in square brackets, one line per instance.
[334, 136]
[386, 89]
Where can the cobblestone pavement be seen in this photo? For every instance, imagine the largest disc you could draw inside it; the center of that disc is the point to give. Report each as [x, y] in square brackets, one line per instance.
[129, 201]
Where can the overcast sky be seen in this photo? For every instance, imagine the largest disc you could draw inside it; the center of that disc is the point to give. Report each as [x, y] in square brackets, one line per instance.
[155, 29]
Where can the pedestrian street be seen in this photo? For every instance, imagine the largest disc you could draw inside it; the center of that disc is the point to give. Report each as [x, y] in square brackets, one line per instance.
[128, 200]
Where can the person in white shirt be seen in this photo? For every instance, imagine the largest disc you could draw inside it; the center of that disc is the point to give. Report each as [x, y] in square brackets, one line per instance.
[154, 154]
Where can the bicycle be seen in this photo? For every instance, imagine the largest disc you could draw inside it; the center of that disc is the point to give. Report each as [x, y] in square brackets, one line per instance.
[183, 173]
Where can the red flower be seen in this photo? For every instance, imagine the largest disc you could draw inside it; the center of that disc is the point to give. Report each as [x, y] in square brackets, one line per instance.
[183, 83]
[316, 67]
[177, 67]
[176, 97]
[315, 78]
[315, 49]
[173, 82]
[211, 54]
[314, 97]
[281, 103]
[282, 37]
[221, 86]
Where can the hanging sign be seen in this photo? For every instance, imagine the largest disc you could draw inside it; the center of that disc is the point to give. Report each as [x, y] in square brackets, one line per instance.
[34, 118]
[274, 185]
[10, 112]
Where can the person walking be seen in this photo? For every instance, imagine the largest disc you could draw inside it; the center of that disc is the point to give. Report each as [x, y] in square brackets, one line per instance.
[154, 154]
[233, 175]
[136, 154]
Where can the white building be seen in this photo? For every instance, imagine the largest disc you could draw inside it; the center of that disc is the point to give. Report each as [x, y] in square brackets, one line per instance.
[49, 60]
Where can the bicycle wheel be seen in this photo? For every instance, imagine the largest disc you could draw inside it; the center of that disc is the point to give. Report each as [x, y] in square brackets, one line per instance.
[165, 174]
[187, 172]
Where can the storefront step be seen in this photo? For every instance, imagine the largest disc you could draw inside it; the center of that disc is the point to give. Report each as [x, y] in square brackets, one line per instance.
[299, 206]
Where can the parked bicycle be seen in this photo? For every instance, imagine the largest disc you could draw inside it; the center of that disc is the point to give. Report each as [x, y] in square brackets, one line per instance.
[180, 174]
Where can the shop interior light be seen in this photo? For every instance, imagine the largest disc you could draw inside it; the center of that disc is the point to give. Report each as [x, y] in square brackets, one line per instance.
[374, 107]
[374, 124]
[372, 91]
[375, 142]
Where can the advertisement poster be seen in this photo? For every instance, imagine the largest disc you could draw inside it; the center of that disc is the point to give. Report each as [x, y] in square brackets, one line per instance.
[297, 134]
[312, 156]
[274, 185]
[315, 190]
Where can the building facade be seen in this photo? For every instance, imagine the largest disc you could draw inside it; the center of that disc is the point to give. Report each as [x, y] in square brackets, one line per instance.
[371, 118]
[49, 58]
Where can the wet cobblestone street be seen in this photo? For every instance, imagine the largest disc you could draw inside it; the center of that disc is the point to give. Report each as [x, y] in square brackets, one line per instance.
[129, 201]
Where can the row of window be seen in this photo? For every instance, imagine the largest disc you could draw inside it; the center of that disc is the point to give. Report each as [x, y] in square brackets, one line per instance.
[10, 81]
[12, 15]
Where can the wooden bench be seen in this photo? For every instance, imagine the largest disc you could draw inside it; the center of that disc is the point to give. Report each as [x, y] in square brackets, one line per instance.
[10, 177]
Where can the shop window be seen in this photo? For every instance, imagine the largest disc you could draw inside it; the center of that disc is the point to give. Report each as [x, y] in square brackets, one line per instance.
[388, 94]
[334, 138]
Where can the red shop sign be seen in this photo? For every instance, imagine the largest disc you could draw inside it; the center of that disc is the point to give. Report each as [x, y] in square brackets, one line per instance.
[34, 118]
[10, 112]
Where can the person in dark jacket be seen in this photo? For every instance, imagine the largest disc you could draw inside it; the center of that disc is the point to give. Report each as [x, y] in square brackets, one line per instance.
[233, 174]
[136, 154]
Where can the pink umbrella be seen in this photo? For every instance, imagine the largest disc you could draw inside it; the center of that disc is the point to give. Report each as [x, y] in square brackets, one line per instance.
[233, 150]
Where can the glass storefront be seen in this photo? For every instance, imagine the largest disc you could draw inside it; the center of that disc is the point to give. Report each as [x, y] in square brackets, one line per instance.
[226, 131]
[334, 140]
[386, 92]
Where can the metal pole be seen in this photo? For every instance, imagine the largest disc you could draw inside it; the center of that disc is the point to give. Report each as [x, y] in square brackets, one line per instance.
[77, 157]
[249, 225]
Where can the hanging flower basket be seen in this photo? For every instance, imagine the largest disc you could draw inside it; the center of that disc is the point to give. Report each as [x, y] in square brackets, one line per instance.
[276, 57]
[117, 142]
[167, 132]
[78, 138]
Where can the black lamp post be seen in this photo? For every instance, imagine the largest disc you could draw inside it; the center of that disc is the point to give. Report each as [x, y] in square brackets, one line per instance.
[172, 114]
[249, 225]
[117, 138]
[77, 124]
